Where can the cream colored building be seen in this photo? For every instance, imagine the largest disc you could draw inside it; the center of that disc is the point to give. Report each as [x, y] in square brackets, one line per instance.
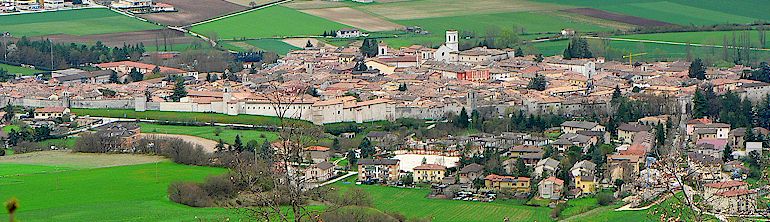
[429, 173]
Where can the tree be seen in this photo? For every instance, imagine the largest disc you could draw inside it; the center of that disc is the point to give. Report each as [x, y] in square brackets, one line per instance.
[220, 147]
[114, 77]
[360, 66]
[156, 70]
[352, 158]
[217, 131]
[727, 154]
[539, 58]
[697, 69]
[336, 145]
[408, 179]
[538, 83]
[309, 45]
[462, 119]
[616, 94]
[252, 145]
[266, 152]
[369, 47]
[367, 150]
[237, 145]
[700, 105]
[660, 136]
[179, 90]
[5, 75]
[521, 168]
[577, 48]
[402, 87]
[9, 112]
[762, 73]
[135, 75]
[519, 52]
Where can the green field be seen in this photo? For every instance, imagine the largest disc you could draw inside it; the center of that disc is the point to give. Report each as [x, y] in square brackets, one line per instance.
[183, 116]
[19, 70]
[72, 22]
[125, 193]
[531, 22]
[709, 38]
[227, 135]
[274, 21]
[683, 12]
[270, 45]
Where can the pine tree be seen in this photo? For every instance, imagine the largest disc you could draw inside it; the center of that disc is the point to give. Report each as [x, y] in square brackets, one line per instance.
[114, 77]
[309, 45]
[538, 83]
[179, 90]
[700, 105]
[135, 75]
[266, 152]
[567, 54]
[697, 69]
[519, 52]
[402, 87]
[616, 94]
[539, 58]
[367, 150]
[462, 119]
[238, 145]
[727, 154]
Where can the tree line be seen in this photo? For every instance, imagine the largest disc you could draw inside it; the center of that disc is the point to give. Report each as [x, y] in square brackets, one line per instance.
[43, 53]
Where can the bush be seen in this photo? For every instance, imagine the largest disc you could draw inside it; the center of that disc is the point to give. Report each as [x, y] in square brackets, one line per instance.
[556, 211]
[605, 198]
[94, 143]
[183, 152]
[219, 187]
[189, 194]
[26, 147]
[353, 197]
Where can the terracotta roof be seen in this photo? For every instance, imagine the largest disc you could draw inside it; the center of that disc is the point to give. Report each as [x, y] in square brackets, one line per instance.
[52, 109]
[555, 180]
[430, 167]
[498, 178]
[726, 184]
[737, 192]
[317, 148]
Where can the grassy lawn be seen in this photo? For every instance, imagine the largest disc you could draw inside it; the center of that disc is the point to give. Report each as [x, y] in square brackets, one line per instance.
[13, 169]
[125, 193]
[578, 206]
[68, 142]
[414, 204]
[227, 135]
[19, 70]
[8, 128]
[73, 22]
[183, 116]
[274, 21]
[710, 38]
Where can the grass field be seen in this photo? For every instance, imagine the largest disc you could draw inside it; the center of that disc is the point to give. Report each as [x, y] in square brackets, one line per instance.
[531, 22]
[683, 12]
[182, 116]
[710, 38]
[18, 70]
[207, 132]
[125, 193]
[275, 21]
[270, 45]
[72, 22]
[444, 8]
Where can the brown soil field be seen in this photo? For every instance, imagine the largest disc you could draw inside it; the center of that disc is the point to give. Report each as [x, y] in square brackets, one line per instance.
[312, 4]
[80, 160]
[117, 39]
[355, 18]
[190, 12]
[444, 8]
[617, 17]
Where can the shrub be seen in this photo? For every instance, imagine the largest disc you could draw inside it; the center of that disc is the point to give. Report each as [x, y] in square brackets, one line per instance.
[219, 187]
[605, 198]
[353, 197]
[95, 143]
[189, 194]
[183, 152]
[556, 211]
[26, 147]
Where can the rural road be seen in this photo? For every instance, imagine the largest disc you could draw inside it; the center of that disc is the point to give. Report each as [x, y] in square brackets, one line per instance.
[208, 145]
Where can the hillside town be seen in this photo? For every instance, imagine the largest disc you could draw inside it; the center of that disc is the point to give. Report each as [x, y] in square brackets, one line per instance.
[501, 124]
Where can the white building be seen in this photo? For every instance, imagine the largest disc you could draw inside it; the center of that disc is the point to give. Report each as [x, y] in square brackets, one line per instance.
[452, 45]
[348, 33]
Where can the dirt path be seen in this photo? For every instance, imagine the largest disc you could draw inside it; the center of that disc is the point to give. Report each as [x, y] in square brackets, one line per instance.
[208, 145]
[79, 160]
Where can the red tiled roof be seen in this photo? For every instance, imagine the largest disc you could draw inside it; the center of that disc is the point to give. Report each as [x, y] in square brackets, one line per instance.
[430, 167]
[737, 192]
[726, 184]
[139, 65]
[52, 109]
[555, 180]
[498, 178]
[317, 148]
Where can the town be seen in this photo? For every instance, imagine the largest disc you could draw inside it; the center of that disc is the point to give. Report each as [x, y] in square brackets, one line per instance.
[470, 129]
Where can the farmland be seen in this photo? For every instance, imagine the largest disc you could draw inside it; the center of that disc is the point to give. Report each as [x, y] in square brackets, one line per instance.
[355, 18]
[182, 116]
[207, 132]
[273, 45]
[683, 12]
[72, 22]
[273, 21]
[445, 8]
[18, 70]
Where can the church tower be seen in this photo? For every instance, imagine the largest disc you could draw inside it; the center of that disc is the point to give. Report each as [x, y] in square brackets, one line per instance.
[451, 40]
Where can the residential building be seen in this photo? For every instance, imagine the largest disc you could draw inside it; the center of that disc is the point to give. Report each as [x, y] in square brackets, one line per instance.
[319, 172]
[471, 172]
[627, 131]
[51, 112]
[497, 182]
[318, 154]
[575, 126]
[550, 188]
[545, 168]
[381, 170]
[429, 173]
